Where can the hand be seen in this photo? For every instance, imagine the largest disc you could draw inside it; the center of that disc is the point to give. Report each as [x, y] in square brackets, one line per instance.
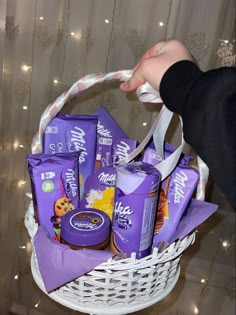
[155, 62]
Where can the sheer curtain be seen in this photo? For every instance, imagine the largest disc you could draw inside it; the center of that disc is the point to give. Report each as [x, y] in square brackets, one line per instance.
[47, 45]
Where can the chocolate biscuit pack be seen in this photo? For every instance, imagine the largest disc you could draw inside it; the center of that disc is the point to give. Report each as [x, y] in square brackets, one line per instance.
[137, 186]
[55, 188]
[74, 133]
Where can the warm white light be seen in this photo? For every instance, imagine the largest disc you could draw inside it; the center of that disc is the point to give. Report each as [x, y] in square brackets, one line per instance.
[161, 24]
[21, 146]
[203, 280]
[25, 68]
[225, 243]
[25, 107]
[29, 247]
[41, 18]
[144, 124]
[22, 247]
[16, 277]
[21, 183]
[37, 304]
[15, 144]
[106, 21]
[72, 34]
[226, 41]
[196, 311]
[55, 81]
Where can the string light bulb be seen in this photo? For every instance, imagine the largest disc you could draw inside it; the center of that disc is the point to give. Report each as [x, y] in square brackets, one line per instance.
[41, 18]
[72, 33]
[161, 24]
[21, 183]
[16, 277]
[203, 280]
[225, 243]
[55, 81]
[106, 21]
[144, 124]
[25, 107]
[26, 68]
[37, 304]
[21, 146]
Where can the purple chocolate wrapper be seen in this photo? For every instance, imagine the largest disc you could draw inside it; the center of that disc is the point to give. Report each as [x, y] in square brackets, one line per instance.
[175, 194]
[100, 190]
[151, 156]
[135, 208]
[121, 148]
[107, 130]
[54, 181]
[71, 133]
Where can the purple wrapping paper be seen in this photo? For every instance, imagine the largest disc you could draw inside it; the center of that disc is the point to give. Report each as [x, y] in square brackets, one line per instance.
[58, 264]
[197, 212]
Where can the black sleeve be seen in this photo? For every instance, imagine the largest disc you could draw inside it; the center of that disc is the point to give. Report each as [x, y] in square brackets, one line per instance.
[206, 101]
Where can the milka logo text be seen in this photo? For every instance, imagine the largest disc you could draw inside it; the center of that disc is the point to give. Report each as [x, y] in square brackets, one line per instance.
[122, 150]
[179, 185]
[89, 226]
[77, 139]
[71, 182]
[108, 179]
[122, 216]
[102, 131]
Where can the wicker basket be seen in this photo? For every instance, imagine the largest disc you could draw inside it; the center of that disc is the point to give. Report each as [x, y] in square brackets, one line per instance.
[114, 287]
[127, 285]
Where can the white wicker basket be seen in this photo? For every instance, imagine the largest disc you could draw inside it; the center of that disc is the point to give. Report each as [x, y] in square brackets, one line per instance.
[124, 286]
[117, 287]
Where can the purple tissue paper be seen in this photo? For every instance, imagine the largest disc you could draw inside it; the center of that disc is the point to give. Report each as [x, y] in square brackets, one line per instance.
[58, 264]
[197, 212]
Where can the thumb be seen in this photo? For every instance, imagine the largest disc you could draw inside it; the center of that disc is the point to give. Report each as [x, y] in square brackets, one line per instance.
[134, 82]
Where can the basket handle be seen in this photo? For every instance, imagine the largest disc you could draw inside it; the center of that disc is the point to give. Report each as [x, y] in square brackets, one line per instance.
[145, 93]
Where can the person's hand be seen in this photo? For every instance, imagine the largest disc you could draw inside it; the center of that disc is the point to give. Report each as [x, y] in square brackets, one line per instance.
[155, 62]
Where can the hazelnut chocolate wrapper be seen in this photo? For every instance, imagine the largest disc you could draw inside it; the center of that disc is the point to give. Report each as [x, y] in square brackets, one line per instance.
[175, 194]
[73, 133]
[55, 188]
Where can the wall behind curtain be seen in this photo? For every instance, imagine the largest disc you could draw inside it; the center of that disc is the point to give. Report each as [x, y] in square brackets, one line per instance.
[62, 40]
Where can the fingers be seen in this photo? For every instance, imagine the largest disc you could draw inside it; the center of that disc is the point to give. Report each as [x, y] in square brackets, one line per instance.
[138, 77]
[134, 82]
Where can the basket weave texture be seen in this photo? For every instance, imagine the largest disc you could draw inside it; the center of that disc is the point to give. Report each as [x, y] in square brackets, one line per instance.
[125, 283]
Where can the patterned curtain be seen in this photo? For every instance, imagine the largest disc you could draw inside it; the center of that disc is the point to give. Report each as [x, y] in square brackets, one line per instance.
[47, 45]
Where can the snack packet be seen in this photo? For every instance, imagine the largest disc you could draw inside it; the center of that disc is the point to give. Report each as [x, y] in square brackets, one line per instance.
[55, 189]
[136, 196]
[72, 133]
[107, 130]
[100, 190]
[175, 194]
